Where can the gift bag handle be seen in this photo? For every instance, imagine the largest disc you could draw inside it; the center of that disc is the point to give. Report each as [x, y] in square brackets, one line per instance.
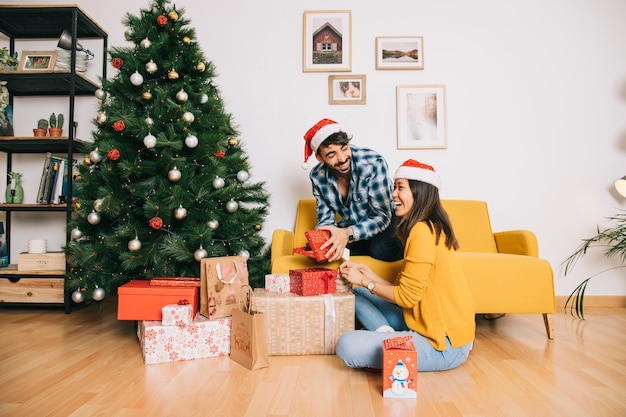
[218, 269]
[247, 298]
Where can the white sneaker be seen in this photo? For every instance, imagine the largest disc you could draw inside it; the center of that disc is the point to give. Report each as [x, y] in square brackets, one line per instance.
[385, 328]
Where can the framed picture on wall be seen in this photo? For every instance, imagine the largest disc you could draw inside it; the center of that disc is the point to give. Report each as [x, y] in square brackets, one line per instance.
[421, 116]
[327, 41]
[37, 61]
[346, 89]
[400, 53]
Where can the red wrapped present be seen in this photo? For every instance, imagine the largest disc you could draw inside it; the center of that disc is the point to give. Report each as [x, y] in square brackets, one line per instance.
[316, 239]
[312, 281]
[399, 368]
[138, 300]
[176, 281]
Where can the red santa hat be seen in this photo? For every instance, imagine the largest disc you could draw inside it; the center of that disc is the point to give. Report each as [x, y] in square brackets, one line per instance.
[414, 170]
[317, 134]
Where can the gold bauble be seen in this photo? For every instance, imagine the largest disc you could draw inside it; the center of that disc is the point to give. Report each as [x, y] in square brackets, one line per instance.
[87, 161]
[200, 66]
[172, 75]
[146, 95]
[173, 15]
[186, 40]
[232, 141]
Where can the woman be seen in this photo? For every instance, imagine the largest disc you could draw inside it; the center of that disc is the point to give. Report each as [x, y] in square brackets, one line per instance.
[430, 299]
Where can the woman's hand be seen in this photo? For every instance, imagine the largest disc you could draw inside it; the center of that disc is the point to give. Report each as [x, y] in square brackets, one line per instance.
[352, 272]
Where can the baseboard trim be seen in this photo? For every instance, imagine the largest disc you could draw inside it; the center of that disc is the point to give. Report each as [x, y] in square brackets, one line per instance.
[595, 301]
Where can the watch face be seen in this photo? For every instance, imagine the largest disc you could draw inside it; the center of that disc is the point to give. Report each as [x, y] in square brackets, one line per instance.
[371, 285]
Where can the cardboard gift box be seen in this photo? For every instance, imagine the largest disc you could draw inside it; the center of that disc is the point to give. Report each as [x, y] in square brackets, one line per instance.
[203, 338]
[312, 281]
[315, 239]
[399, 368]
[304, 325]
[138, 300]
[49, 261]
[277, 283]
[177, 314]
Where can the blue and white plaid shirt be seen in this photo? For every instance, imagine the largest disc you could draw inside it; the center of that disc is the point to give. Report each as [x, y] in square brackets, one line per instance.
[368, 208]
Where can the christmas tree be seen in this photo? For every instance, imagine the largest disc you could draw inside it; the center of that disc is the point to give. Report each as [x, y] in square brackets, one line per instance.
[165, 182]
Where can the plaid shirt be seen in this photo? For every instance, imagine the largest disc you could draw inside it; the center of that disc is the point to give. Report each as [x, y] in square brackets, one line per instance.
[368, 208]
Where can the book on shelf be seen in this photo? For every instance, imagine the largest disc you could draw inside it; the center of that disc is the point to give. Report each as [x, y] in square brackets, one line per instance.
[53, 182]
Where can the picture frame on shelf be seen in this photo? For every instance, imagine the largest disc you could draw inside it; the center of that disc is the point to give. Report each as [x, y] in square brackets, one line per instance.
[37, 61]
[400, 53]
[421, 116]
[327, 41]
[346, 89]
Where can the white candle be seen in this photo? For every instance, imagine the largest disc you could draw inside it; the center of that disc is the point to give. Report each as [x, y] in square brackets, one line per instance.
[12, 183]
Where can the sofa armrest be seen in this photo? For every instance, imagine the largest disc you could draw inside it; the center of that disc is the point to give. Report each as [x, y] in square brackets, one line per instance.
[517, 242]
[282, 243]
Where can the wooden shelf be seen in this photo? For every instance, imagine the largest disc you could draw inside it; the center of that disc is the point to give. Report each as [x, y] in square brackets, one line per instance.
[47, 83]
[11, 271]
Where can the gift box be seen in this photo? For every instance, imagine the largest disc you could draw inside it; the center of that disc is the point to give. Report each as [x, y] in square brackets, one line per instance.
[399, 368]
[312, 281]
[304, 325]
[315, 239]
[176, 281]
[138, 300]
[277, 283]
[177, 314]
[203, 338]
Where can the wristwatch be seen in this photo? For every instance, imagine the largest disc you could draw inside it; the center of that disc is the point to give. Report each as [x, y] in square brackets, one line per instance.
[371, 286]
[350, 235]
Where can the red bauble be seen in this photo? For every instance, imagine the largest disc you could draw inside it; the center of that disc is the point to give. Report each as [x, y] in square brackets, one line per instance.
[156, 223]
[220, 154]
[162, 20]
[113, 154]
[117, 63]
[119, 126]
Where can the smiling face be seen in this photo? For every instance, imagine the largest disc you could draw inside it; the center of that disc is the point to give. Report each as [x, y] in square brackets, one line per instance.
[336, 157]
[402, 197]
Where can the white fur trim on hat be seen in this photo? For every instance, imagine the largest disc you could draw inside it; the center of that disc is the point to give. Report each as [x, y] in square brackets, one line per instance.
[423, 173]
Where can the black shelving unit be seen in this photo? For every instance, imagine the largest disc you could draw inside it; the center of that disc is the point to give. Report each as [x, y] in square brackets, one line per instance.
[32, 22]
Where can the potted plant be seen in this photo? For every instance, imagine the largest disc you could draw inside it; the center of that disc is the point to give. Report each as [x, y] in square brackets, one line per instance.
[56, 125]
[42, 128]
[613, 240]
[6, 128]
[8, 62]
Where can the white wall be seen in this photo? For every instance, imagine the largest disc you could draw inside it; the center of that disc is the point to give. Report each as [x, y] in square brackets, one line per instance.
[536, 104]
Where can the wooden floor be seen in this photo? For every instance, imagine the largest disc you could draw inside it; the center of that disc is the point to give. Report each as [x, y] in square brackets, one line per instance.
[90, 364]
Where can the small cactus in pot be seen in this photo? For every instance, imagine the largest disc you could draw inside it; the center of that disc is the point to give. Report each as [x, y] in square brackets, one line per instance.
[56, 124]
[42, 128]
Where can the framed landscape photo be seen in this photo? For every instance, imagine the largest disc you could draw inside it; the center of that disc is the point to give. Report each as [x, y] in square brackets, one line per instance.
[346, 89]
[37, 61]
[421, 116]
[400, 53]
[327, 41]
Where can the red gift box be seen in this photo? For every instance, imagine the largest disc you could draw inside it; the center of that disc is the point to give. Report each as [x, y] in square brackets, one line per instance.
[316, 238]
[138, 300]
[399, 368]
[312, 281]
[176, 281]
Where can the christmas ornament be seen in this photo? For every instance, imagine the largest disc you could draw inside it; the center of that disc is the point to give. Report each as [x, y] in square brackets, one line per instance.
[232, 206]
[204, 98]
[186, 40]
[188, 117]
[191, 141]
[100, 94]
[146, 95]
[180, 213]
[98, 294]
[113, 154]
[173, 15]
[200, 253]
[232, 141]
[213, 224]
[182, 96]
[257, 227]
[220, 154]
[162, 20]
[149, 121]
[76, 233]
[78, 296]
[150, 140]
[200, 66]
[245, 254]
[172, 75]
[101, 118]
[76, 205]
[97, 204]
[87, 161]
[117, 63]
[242, 176]
[134, 244]
[218, 183]
[95, 156]
[145, 43]
[156, 223]
[151, 67]
[174, 175]
[119, 126]
[136, 79]
[93, 218]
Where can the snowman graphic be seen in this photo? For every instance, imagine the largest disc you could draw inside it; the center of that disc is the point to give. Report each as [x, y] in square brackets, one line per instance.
[400, 382]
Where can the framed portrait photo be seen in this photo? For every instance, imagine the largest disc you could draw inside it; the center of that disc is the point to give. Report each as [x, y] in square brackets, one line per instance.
[400, 53]
[421, 116]
[327, 41]
[43, 61]
[346, 89]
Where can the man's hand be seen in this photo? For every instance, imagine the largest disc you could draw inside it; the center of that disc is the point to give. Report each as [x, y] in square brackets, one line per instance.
[336, 243]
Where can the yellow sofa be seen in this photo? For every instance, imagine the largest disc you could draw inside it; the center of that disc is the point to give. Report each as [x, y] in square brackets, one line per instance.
[503, 269]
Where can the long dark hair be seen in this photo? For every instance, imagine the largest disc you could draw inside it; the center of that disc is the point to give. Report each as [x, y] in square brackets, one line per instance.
[427, 208]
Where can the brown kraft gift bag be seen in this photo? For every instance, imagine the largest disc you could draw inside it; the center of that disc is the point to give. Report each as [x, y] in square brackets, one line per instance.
[248, 337]
[221, 280]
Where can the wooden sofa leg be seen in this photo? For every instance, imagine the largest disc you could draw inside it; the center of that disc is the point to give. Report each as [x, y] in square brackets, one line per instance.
[547, 320]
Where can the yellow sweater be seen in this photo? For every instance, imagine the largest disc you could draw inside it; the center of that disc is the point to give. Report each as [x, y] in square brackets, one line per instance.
[432, 289]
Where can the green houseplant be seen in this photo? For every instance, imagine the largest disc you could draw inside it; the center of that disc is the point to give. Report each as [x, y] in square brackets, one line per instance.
[7, 61]
[5, 121]
[56, 125]
[613, 242]
[42, 128]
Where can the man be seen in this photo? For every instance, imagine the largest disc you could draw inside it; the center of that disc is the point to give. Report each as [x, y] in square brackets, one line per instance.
[352, 190]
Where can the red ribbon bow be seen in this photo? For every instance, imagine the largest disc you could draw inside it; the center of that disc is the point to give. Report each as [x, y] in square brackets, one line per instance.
[183, 302]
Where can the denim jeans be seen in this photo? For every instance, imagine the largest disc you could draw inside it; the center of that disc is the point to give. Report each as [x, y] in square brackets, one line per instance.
[364, 348]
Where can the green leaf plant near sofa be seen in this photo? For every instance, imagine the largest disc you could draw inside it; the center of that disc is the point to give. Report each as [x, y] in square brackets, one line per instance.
[503, 269]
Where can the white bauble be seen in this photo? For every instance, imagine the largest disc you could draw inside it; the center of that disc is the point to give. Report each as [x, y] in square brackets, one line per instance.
[151, 67]
[218, 183]
[188, 117]
[191, 141]
[180, 213]
[95, 156]
[150, 140]
[213, 224]
[97, 204]
[149, 121]
[200, 253]
[242, 176]
[136, 79]
[93, 217]
[134, 244]
[100, 94]
[232, 206]
[99, 294]
[174, 175]
[145, 43]
[101, 118]
[78, 296]
[182, 96]
[204, 99]
[245, 254]
[76, 233]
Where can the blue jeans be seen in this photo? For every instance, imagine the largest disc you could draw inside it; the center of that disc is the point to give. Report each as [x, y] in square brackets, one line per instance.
[364, 348]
